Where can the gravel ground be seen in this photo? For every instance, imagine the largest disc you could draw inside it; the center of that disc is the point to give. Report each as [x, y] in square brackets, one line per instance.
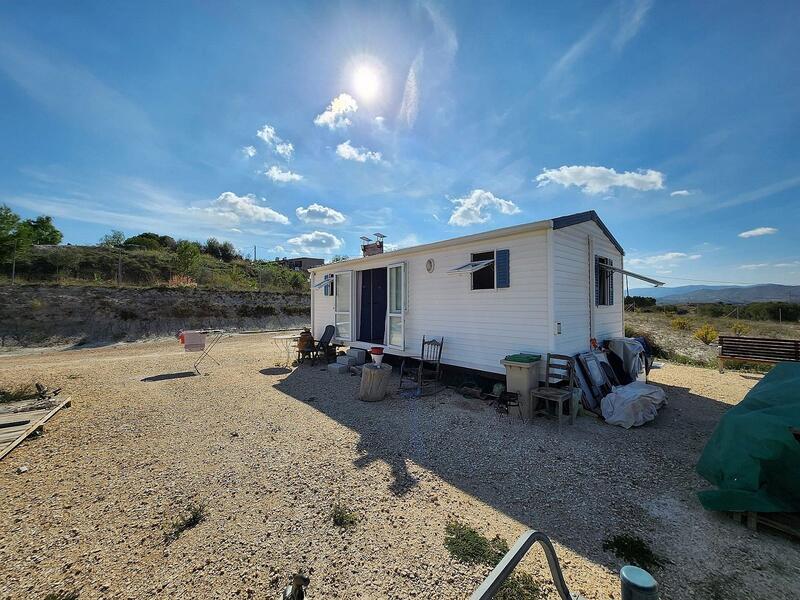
[269, 450]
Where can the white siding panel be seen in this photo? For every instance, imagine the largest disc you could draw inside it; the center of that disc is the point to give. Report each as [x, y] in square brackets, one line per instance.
[574, 290]
[480, 327]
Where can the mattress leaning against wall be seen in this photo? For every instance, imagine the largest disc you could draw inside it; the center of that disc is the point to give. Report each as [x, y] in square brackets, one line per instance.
[753, 456]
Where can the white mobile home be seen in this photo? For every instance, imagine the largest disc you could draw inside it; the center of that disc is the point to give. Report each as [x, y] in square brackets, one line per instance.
[548, 286]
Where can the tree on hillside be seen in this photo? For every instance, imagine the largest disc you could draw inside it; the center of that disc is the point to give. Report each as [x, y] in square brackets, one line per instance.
[187, 257]
[112, 240]
[221, 250]
[18, 236]
[148, 241]
[42, 230]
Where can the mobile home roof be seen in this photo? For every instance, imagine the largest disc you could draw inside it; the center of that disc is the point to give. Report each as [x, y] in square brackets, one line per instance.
[556, 223]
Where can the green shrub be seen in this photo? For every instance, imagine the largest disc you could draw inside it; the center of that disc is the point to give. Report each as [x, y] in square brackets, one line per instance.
[739, 329]
[343, 516]
[680, 324]
[520, 586]
[706, 334]
[467, 545]
[194, 515]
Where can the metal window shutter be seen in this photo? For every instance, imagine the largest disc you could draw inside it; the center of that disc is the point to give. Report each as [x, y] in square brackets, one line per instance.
[611, 284]
[597, 275]
[502, 268]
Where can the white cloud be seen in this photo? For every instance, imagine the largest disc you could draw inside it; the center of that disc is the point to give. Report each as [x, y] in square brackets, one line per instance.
[783, 265]
[595, 180]
[380, 124]
[409, 108]
[249, 151]
[752, 267]
[758, 231]
[317, 241]
[348, 152]
[284, 149]
[474, 208]
[316, 213]
[406, 242]
[681, 193]
[278, 145]
[233, 208]
[632, 19]
[335, 116]
[277, 174]
[662, 259]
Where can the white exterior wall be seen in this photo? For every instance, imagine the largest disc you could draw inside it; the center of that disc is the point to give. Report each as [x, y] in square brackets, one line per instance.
[573, 288]
[479, 327]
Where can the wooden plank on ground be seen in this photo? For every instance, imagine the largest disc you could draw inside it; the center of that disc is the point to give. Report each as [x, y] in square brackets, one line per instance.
[34, 425]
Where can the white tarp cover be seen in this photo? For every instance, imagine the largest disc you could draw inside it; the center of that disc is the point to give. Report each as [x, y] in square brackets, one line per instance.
[631, 353]
[633, 404]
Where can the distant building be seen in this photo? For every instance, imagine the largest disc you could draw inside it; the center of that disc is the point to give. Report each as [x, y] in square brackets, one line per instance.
[302, 263]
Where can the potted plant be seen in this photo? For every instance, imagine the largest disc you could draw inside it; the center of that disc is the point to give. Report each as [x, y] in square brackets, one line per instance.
[377, 355]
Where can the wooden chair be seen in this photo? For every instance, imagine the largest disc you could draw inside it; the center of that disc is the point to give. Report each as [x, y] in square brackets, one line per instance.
[429, 368]
[560, 369]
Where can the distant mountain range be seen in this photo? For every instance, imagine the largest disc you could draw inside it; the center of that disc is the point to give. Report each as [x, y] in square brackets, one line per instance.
[741, 294]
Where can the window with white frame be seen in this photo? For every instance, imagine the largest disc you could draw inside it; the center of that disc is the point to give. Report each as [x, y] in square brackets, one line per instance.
[487, 270]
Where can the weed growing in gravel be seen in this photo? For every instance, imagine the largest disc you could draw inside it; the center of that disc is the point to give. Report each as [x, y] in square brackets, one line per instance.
[706, 334]
[520, 586]
[19, 392]
[633, 550]
[680, 324]
[343, 516]
[469, 546]
[195, 514]
[63, 595]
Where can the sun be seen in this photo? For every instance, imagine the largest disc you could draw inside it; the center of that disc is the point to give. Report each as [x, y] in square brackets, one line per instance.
[366, 82]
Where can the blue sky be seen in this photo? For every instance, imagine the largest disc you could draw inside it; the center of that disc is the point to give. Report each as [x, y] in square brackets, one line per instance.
[297, 127]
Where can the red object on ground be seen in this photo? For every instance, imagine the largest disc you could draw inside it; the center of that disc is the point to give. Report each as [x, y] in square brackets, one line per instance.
[376, 350]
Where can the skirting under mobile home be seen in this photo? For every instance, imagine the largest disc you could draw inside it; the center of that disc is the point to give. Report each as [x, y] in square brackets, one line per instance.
[548, 286]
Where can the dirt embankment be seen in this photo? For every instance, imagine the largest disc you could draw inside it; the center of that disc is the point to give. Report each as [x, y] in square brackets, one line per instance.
[44, 315]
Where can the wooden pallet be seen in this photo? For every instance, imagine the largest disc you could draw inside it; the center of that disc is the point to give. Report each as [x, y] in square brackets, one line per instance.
[787, 523]
[15, 427]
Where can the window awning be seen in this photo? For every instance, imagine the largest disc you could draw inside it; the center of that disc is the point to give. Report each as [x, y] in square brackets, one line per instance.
[324, 282]
[655, 282]
[471, 267]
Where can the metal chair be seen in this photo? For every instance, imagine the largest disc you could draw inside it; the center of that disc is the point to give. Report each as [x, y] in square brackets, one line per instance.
[560, 369]
[429, 368]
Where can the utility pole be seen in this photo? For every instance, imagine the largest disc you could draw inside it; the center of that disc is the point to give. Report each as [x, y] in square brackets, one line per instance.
[255, 256]
[14, 264]
[119, 266]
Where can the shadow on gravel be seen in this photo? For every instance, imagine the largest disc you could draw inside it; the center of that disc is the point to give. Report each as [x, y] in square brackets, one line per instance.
[591, 482]
[275, 371]
[165, 376]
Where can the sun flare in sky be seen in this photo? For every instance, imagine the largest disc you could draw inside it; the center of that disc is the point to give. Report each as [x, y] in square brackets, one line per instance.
[366, 81]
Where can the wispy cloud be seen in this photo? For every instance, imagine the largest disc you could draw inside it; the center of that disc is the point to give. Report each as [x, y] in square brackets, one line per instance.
[317, 213]
[662, 260]
[405, 242]
[409, 108]
[316, 241]
[275, 173]
[347, 151]
[249, 151]
[336, 115]
[278, 145]
[476, 207]
[681, 193]
[753, 266]
[632, 17]
[758, 231]
[596, 180]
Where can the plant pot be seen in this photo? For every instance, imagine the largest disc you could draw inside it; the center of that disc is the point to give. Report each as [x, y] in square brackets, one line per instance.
[377, 359]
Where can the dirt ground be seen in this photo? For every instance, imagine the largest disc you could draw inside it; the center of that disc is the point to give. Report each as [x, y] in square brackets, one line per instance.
[268, 451]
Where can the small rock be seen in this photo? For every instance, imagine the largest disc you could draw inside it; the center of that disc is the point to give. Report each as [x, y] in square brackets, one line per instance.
[22, 469]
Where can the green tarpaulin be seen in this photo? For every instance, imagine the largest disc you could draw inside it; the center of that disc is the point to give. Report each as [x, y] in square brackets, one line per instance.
[753, 457]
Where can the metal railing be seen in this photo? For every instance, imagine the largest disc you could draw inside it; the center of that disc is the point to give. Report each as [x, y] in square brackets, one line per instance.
[636, 584]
